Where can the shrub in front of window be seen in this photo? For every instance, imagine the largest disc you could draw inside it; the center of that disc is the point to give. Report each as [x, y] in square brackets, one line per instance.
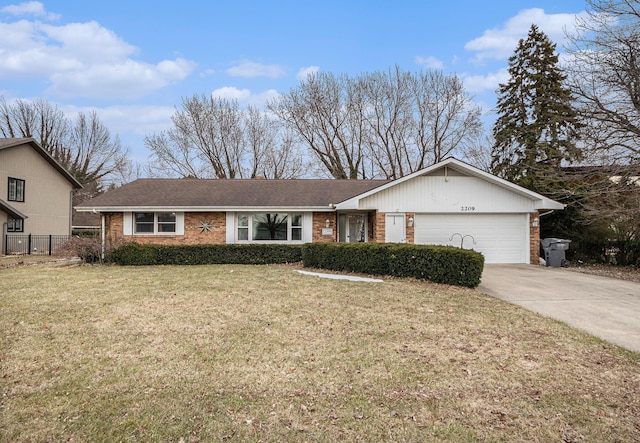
[134, 254]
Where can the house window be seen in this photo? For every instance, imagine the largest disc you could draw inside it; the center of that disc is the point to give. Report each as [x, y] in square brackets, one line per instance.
[243, 227]
[15, 225]
[16, 190]
[155, 222]
[272, 227]
[296, 227]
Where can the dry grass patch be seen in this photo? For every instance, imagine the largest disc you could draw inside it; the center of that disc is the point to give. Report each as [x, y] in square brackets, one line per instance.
[261, 353]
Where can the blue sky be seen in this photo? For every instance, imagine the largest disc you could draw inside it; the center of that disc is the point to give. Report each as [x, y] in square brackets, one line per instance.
[132, 61]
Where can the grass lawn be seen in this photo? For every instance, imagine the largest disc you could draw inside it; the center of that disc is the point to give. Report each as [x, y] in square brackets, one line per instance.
[262, 353]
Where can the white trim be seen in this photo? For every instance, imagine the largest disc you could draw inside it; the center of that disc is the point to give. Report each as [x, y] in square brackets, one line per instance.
[128, 225]
[206, 209]
[250, 228]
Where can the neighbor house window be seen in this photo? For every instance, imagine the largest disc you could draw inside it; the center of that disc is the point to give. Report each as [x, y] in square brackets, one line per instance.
[155, 222]
[16, 190]
[269, 227]
[15, 225]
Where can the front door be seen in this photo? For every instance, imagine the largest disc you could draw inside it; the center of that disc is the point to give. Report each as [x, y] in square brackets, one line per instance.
[352, 228]
[394, 230]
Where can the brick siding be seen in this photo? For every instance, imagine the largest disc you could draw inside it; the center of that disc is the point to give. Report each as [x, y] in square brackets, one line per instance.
[534, 238]
[193, 232]
[320, 223]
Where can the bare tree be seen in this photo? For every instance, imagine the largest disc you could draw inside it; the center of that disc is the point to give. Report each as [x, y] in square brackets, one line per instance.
[39, 120]
[604, 75]
[477, 151]
[385, 124]
[205, 141]
[318, 110]
[447, 118]
[388, 116]
[214, 138]
[85, 147]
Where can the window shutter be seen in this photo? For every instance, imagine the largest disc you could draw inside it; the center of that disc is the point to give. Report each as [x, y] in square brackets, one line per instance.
[307, 227]
[231, 227]
[179, 223]
[127, 223]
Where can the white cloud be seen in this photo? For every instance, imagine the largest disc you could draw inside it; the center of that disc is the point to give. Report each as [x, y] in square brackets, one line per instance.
[245, 96]
[429, 62]
[482, 83]
[303, 73]
[253, 69]
[207, 72]
[66, 56]
[499, 43]
[129, 78]
[29, 8]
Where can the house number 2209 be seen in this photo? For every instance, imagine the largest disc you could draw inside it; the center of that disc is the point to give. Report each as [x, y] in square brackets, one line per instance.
[467, 208]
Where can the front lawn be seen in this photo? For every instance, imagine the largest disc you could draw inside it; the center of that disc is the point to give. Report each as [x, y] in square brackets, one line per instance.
[262, 353]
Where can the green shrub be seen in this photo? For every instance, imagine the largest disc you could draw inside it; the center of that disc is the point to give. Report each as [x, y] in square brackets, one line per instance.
[439, 264]
[134, 254]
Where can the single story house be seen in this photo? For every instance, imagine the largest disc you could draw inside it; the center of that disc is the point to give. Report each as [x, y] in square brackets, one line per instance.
[449, 203]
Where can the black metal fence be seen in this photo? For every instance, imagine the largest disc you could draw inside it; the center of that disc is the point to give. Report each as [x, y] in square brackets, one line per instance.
[33, 244]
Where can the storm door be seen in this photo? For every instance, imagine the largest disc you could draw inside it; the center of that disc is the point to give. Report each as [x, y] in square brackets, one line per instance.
[352, 228]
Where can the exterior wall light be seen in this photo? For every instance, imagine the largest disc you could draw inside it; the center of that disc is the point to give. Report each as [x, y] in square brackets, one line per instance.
[410, 222]
[327, 223]
[536, 222]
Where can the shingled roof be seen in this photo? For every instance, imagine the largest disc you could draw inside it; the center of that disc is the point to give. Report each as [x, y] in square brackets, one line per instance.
[220, 194]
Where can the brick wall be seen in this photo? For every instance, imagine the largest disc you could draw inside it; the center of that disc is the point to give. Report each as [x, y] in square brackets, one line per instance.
[410, 229]
[379, 235]
[320, 223]
[193, 232]
[534, 238]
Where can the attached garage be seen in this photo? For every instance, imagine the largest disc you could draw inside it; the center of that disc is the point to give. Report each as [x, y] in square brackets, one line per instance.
[453, 203]
[501, 238]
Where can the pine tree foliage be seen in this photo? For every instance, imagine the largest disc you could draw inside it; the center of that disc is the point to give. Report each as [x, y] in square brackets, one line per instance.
[536, 130]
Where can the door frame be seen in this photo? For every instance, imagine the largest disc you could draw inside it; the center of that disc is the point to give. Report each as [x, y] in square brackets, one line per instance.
[343, 225]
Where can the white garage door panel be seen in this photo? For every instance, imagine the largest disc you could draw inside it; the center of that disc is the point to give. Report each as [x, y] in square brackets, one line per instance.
[502, 238]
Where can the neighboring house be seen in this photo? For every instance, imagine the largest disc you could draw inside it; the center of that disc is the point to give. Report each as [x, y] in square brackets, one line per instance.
[35, 191]
[450, 203]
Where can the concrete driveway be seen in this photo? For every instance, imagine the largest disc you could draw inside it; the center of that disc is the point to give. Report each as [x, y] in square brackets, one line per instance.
[605, 307]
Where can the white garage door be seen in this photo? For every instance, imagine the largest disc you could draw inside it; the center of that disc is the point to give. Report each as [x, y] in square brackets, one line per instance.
[502, 238]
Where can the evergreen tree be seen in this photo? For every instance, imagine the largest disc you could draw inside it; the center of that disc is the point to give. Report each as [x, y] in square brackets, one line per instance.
[537, 125]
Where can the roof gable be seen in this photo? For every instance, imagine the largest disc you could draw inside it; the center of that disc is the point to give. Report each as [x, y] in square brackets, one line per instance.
[7, 143]
[452, 166]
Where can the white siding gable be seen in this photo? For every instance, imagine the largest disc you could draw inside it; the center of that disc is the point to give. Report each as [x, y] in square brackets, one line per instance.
[452, 194]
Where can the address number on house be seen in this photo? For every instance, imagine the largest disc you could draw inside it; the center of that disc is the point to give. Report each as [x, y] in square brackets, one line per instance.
[467, 208]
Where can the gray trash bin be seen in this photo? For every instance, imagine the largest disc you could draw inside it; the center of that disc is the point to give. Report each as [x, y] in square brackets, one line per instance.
[554, 251]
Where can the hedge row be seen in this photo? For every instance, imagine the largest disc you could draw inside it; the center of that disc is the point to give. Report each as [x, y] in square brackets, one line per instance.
[439, 264]
[134, 254]
[623, 253]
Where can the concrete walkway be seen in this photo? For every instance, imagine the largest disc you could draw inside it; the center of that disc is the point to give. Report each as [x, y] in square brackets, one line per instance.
[605, 307]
